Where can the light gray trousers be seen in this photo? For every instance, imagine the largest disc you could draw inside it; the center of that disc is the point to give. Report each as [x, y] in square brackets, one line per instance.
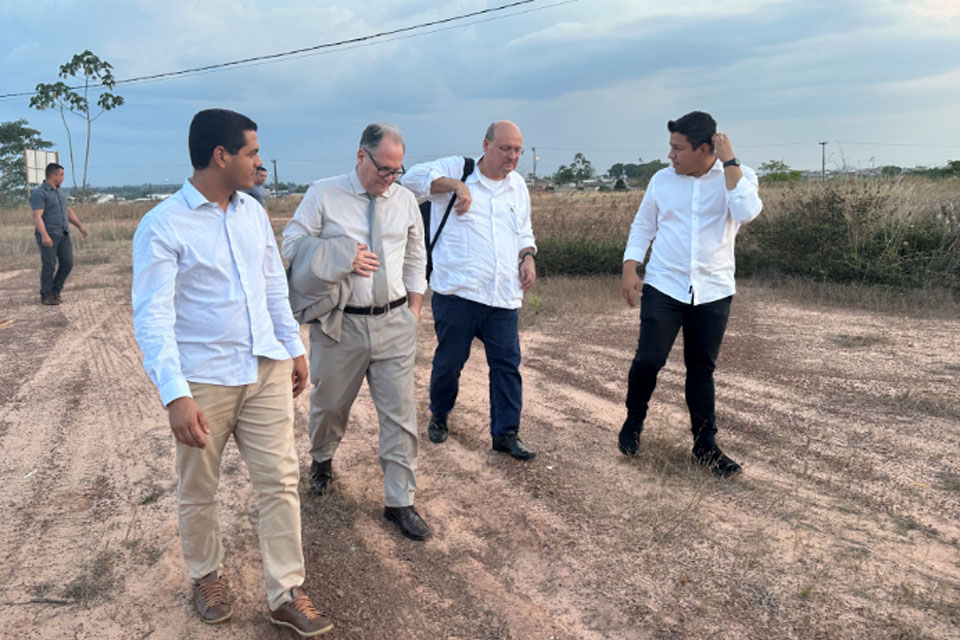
[383, 349]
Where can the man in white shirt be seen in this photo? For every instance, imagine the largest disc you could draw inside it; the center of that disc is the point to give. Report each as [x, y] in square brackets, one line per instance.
[211, 316]
[691, 212]
[483, 262]
[371, 330]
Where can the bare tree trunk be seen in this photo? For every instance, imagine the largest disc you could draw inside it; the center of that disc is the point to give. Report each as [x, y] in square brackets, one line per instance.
[86, 155]
[73, 170]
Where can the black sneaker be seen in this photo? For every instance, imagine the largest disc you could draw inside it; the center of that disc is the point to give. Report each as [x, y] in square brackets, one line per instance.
[715, 460]
[629, 439]
[321, 476]
[437, 429]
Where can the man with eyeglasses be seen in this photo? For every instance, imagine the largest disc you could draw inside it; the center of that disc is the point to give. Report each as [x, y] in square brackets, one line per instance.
[483, 262]
[359, 237]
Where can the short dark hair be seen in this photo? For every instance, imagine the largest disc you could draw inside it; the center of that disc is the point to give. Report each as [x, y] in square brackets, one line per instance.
[261, 168]
[697, 126]
[53, 168]
[212, 128]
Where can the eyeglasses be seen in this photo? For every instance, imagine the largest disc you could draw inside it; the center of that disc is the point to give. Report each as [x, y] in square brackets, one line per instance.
[385, 173]
[507, 149]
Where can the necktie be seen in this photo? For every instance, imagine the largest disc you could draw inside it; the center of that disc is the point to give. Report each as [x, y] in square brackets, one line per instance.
[380, 291]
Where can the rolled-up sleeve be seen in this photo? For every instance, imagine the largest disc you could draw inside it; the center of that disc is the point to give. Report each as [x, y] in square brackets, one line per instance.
[743, 201]
[154, 315]
[419, 178]
[285, 327]
[644, 226]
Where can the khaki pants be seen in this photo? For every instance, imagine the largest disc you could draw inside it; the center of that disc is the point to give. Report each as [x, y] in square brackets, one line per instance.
[260, 418]
[382, 349]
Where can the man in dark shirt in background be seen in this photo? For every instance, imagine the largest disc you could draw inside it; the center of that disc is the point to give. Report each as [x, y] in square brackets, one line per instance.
[51, 213]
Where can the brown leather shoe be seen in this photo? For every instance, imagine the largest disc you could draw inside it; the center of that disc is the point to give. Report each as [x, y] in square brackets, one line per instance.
[49, 301]
[210, 598]
[300, 615]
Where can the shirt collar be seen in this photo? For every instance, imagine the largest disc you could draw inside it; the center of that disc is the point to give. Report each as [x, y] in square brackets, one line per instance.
[717, 166]
[195, 199]
[357, 187]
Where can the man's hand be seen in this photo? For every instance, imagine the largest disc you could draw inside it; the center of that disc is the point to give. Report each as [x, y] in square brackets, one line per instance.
[83, 231]
[632, 284]
[299, 376]
[46, 241]
[415, 303]
[528, 272]
[464, 199]
[188, 422]
[722, 147]
[365, 262]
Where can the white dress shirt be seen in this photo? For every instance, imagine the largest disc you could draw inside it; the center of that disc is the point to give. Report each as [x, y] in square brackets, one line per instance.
[692, 223]
[337, 207]
[476, 255]
[209, 293]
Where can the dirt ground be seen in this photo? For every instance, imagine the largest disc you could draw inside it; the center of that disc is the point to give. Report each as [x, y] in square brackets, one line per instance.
[845, 524]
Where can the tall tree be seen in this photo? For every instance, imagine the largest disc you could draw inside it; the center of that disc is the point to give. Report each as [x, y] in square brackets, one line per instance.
[93, 73]
[14, 137]
[582, 169]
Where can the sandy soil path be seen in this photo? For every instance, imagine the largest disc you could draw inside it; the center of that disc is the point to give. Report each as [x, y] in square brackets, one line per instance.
[846, 523]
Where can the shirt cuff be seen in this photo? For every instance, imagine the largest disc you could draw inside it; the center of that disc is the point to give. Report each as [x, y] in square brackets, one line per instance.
[294, 347]
[633, 253]
[173, 389]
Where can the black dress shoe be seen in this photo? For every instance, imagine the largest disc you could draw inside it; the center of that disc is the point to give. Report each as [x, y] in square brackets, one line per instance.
[437, 430]
[509, 443]
[321, 475]
[409, 522]
[629, 439]
[715, 460]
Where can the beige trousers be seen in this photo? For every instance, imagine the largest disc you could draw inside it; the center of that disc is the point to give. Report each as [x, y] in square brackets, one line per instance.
[382, 349]
[260, 418]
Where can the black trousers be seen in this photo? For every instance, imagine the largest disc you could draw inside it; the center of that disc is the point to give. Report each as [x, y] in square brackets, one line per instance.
[661, 318]
[55, 264]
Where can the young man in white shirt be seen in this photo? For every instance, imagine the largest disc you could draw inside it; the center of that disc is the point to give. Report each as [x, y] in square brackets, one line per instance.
[691, 212]
[212, 318]
[484, 261]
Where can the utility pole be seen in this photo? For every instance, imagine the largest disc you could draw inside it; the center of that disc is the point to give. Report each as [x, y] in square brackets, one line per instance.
[823, 160]
[534, 149]
[276, 181]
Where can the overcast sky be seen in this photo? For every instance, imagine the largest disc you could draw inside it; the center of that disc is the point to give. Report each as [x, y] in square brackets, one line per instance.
[878, 79]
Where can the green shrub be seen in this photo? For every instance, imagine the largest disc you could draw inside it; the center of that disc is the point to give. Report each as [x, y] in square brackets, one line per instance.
[578, 257]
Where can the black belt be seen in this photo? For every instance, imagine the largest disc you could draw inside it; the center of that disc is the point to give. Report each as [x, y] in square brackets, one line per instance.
[374, 311]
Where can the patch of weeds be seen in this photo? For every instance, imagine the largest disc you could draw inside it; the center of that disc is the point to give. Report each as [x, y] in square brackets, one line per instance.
[155, 494]
[94, 583]
[806, 593]
[847, 341]
[906, 524]
[948, 481]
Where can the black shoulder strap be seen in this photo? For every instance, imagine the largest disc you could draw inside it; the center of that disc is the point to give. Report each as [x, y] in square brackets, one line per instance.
[467, 170]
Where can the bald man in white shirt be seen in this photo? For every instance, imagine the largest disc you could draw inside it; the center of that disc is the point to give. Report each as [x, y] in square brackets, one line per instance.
[484, 261]
[691, 212]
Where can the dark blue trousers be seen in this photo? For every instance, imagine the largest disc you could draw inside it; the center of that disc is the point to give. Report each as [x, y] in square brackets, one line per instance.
[661, 318]
[457, 322]
[55, 264]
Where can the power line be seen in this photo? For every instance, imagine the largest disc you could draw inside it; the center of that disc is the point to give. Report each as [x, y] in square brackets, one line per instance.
[302, 51]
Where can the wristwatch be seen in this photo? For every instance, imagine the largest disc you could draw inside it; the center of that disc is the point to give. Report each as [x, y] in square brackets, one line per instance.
[732, 162]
